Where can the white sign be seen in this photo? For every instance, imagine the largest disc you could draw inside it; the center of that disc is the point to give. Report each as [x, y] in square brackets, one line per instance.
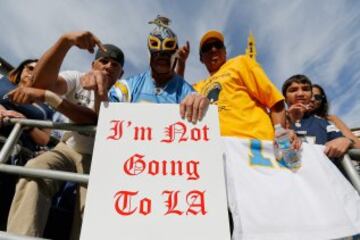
[269, 201]
[156, 176]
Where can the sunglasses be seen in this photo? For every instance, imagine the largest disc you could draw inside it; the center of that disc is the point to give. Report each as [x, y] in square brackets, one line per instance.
[207, 47]
[318, 97]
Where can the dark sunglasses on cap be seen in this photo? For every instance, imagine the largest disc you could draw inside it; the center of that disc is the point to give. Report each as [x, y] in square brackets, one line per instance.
[318, 97]
[208, 46]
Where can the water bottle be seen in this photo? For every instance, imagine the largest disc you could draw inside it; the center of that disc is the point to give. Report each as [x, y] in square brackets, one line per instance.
[283, 148]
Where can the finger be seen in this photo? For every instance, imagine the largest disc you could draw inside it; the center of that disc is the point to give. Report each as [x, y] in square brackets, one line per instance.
[22, 98]
[90, 81]
[99, 44]
[188, 46]
[100, 82]
[189, 108]
[296, 144]
[195, 112]
[182, 109]
[204, 104]
[10, 94]
[90, 44]
[14, 97]
[326, 150]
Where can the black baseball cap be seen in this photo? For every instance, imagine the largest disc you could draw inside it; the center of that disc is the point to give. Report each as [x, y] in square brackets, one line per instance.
[113, 52]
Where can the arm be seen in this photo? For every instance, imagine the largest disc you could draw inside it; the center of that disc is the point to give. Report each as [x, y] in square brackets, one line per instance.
[40, 136]
[277, 113]
[78, 114]
[182, 55]
[278, 116]
[337, 147]
[344, 129]
[47, 69]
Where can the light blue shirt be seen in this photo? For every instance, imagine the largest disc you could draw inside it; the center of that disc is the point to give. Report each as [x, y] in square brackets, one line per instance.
[141, 88]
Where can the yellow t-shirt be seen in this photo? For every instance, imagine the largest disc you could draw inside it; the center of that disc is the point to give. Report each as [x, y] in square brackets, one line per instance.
[243, 94]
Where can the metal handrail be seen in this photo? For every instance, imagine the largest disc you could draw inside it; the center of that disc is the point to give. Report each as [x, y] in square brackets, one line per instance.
[10, 142]
[11, 236]
[44, 173]
[19, 124]
[50, 124]
[351, 172]
[354, 154]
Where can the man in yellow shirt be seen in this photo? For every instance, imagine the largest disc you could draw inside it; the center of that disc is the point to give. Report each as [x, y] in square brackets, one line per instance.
[249, 103]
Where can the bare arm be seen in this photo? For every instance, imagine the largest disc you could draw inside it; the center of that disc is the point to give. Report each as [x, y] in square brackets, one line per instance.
[277, 113]
[344, 129]
[78, 114]
[182, 55]
[40, 136]
[47, 69]
[46, 73]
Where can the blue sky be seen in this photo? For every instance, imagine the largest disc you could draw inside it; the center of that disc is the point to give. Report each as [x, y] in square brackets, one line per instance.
[318, 38]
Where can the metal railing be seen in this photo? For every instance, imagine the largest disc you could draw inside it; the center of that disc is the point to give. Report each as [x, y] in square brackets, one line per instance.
[19, 124]
[10, 236]
[353, 154]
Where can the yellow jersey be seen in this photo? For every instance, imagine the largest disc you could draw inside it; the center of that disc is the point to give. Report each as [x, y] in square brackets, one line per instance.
[243, 94]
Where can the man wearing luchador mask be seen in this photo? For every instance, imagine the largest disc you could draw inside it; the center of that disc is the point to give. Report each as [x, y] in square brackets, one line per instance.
[160, 84]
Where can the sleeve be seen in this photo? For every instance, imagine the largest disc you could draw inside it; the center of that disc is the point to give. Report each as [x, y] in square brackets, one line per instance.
[119, 92]
[332, 131]
[72, 79]
[258, 83]
[198, 86]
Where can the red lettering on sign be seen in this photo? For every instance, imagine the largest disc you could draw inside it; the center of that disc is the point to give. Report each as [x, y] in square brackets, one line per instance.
[196, 202]
[172, 202]
[178, 132]
[124, 200]
[137, 165]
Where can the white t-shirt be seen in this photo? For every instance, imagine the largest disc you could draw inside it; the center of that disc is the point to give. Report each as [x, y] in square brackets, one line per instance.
[80, 142]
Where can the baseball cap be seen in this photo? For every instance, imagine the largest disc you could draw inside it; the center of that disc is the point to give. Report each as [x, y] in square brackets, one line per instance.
[211, 34]
[113, 52]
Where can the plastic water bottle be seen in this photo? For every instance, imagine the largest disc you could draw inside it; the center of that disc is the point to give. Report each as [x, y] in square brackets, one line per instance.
[283, 148]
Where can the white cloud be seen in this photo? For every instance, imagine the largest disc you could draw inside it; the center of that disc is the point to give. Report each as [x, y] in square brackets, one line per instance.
[318, 38]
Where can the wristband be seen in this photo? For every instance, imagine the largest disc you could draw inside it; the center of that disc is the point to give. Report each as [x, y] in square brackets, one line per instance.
[352, 142]
[52, 99]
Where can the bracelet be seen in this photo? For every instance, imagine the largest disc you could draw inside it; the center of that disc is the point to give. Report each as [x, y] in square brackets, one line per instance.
[53, 99]
[352, 142]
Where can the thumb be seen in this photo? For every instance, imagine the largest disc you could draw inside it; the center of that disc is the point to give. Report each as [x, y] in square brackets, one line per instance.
[188, 45]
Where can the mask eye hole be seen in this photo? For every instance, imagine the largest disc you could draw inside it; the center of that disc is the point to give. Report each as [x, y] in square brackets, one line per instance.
[153, 43]
[170, 44]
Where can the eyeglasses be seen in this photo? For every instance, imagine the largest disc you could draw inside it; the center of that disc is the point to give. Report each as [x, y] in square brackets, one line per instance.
[318, 97]
[207, 47]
